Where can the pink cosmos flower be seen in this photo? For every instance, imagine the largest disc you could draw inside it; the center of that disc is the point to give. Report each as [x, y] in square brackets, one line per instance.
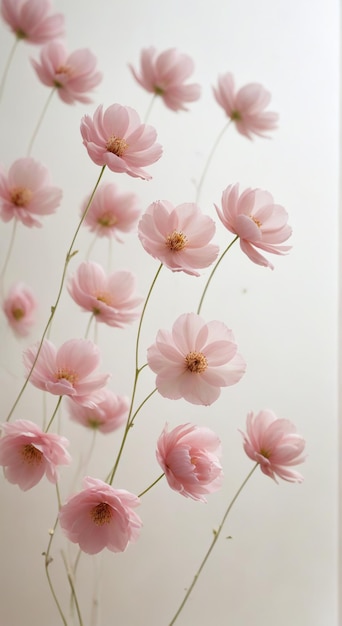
[164, 75]
[111, 212]
[195, 360]
[189, 457]
[246, 107]
[274, 444]
[31, 20]
[101, 517]
[258, 222]
[108, 413]
[72, 74]
[116, 138]
[68, 371]
[27, 453]
[26, 192]
[110, 298]
[19, 307]
[178, 236]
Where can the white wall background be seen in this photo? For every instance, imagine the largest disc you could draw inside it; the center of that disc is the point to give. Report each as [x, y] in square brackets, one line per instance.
[280, 568]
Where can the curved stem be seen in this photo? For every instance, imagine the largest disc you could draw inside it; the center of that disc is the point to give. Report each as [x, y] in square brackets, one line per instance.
[7, 66]
[40, 120]
[88, 326]
[149, 109]
[72, 587]
[142, 317]
[8, 255]
[212, 545]
[209, 159]
[54, 413]
[142, 493]
[213, 272]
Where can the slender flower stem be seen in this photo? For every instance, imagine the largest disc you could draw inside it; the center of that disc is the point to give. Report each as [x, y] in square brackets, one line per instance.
[211, 154]
[142, 317]
[70, 253]
[40, 120]
[213, 272]
[8, 255]
[148, 112]
[7, 66]
[88, 326]
[72, 587]
[151, 485]
[54, 413]
[212, 545]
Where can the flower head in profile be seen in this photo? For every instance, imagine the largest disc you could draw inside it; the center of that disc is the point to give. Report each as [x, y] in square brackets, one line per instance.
[178, 236]
[32, 20]
[108, 413]
[274, 444]
[117, 138]
[195, 360]
[101, 517]
[165, 74]
[257, 220]
[26, 192]
[67, 371]
[110, 298]
[27, 453]
[19, 307]
[189, 456]
[246, 107]
[111, 212]
[73, 75]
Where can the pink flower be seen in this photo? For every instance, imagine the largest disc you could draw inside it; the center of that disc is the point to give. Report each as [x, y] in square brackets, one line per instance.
[73, 75]
[178, 236]
[31, 20]
[108, 413]
[111, 212]
[164, 75]
[246, 107]
[26, 192]
[274, 444]
[100, 517]
[68, 371]
[258, 222]
[19, 307]
[189, 457]
[195, 360]
[27, 453]
[110, 298]
[116, 138]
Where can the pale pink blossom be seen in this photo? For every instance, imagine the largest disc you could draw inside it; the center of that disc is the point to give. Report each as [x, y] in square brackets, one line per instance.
[27, 453]
[108, 413]
[257, 220]
[111, 212]
[274, 444]
[20, 307]
[178, 236]
[117, 138]
[73, 75]
[101, 517]
[26, 192]
[189, 457]
[32, 20]
[164, 74]
[195, 360]
[246, 107]
[67, 371]
[111, 298]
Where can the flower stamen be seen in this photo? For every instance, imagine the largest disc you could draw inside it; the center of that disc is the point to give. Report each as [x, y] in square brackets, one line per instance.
[176, 241]
[116, 145]
[67, 374]
[256, 221]
[196, 362]
[31, 455]
[101, 514]
[21, 196]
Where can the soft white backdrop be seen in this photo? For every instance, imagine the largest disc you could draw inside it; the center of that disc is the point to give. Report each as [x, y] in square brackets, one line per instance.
[280, 567]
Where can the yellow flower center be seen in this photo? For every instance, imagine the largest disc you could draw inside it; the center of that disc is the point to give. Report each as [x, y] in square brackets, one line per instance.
[21, 196]
[116, 145]
[107, 219]
[265, 453]
[235, 116]
[159, 91]
[101, 514]
[31, 455]
[176, 241]
[18, 314]
[256, 221]
[66, 374]
[196, 362]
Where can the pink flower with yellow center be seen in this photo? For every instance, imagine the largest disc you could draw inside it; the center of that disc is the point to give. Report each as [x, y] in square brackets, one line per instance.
[19, 307]
[111, 212]
[108, 412]
[32, 20]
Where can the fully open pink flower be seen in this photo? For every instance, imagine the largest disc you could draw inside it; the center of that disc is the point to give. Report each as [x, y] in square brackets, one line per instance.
[26, 192]
[274, 444]
[19, 307]
[27, 453]
[72, 74]
[111, 212]
[178, 236]
[164, 75]
[246, 107]
[110, 298]
[31, 20]
[189, 456]
[117, 138]
[108, 413]
[257, 220]
[101, 517]
[68, 371]
[195, 360]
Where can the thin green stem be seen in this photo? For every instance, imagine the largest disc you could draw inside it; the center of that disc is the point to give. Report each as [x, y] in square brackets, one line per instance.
[8, 256]
[54, 413]
[7, 66]
[213, 272]
[48, 560]
[88, 326]
[151, 485]
[70, 253]
[149, 109]
[40, 120]
[209, 159]
[142, 317]
[72, 587]
[212, 545]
